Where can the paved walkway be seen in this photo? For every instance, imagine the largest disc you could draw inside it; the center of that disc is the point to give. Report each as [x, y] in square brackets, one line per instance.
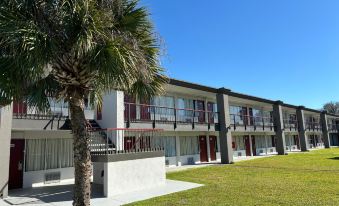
[62, 195]
[185, 167]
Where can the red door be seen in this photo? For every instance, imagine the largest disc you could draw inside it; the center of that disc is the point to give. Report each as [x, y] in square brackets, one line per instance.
[250, 116]
[203, 149]
[19, 108]
[247, 145]
[145, 113]
[16, 164]
[244, 115]
[213, 146]
[130, 108]
[200, 106]
[129, 143]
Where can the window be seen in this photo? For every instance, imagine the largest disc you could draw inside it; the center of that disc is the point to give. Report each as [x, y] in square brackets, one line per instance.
[189, 145]
[44, 154]
[185, 112]
[260, 141]
[239, 143]
[165, 107]
[168, 143]
[238, 114]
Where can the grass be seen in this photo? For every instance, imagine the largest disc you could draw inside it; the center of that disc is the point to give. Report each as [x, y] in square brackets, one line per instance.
[310, 178]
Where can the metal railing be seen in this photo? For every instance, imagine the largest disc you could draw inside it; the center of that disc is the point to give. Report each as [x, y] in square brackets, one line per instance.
[160, 114]
[291, 124]
[123, 140]
[313, 126]
[333, 127]
[256, 122]
[22, 111]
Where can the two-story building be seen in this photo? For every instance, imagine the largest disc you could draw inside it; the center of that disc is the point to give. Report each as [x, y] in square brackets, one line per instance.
[198, 124]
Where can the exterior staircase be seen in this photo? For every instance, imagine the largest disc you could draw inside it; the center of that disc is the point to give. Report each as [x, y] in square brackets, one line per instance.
[100, 143]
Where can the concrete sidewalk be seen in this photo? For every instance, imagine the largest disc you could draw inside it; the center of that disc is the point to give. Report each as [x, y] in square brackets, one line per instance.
[240, 159]
[62, 195]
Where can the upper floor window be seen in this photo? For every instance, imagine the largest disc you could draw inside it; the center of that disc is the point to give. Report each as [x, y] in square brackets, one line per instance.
[184, 103]
[163, 101]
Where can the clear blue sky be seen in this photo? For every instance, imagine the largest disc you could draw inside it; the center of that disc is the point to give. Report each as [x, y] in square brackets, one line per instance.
[276, 49]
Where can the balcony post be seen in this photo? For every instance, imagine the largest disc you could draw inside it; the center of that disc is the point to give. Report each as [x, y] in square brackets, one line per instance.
[177, 150]
[280, 130]
[225, 136]
[193, 116]
[301, 129]
[153, 124]
[129, 115]
[326, 136]
[175, 118]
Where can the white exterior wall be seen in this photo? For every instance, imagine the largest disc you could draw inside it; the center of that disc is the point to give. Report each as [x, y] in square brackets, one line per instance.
[37, 178]
[5, 139]
[184, 159]
[131, 175]
[239, 153]
[172, 161]
[113, 116]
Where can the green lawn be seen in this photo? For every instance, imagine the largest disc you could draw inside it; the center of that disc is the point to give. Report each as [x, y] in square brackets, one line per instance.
[310, 178]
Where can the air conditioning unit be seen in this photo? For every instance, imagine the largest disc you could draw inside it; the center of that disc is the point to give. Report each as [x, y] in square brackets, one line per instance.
[271, 150]
[52, 177]
[166, 162]
[239, 154]
[261, 151]
[190, 161]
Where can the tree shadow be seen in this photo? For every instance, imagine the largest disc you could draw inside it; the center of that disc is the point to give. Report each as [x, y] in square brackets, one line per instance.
[334, 158]
[47, 194]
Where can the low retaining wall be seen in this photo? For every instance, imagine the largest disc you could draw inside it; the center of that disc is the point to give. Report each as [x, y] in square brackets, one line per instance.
[128, 172]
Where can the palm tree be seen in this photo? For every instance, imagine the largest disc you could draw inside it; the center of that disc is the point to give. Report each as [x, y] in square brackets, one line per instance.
[72, 49]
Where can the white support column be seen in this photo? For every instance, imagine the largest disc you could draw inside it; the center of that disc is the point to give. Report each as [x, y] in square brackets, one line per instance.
[208, 148]
[177, 149]
[266, 144]
[251, 148]
[137, 109]
[5, 140]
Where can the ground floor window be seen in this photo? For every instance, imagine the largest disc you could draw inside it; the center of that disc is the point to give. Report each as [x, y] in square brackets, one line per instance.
[42, 154]
[189, 145]
[238, 143]
[168, 143]
[260, 141]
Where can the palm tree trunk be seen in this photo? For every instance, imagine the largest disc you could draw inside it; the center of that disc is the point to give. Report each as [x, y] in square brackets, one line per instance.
[82, 157]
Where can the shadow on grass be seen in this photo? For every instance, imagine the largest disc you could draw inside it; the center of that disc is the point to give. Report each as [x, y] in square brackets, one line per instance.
[334, 158]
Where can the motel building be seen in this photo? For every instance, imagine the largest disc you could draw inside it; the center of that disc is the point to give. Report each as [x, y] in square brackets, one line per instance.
[190, 124]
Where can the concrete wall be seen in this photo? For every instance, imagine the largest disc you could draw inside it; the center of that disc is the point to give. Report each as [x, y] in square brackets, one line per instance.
[37, 178]
[112, 110]
[5, 139]
[131, 175]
